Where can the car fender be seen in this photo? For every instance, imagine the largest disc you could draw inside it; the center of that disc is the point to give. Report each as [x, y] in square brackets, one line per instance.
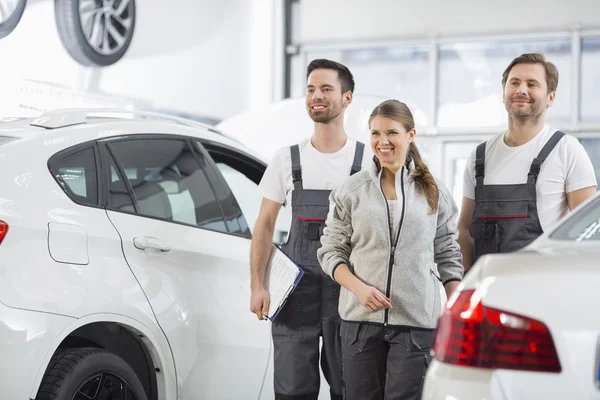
[153, 338]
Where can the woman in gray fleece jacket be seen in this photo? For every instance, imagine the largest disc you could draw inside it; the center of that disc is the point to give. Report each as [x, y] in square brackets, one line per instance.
[387, 228]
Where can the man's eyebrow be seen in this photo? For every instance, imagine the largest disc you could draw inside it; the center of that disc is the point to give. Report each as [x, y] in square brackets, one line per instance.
[526, 80]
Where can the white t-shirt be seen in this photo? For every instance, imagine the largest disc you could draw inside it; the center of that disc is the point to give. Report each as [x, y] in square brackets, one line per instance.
[567, 168]
[321, 171]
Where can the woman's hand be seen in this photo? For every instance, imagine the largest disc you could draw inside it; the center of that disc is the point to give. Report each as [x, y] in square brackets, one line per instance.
[372, 299]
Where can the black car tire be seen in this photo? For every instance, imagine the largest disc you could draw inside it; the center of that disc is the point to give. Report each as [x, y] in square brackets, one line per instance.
[70, 369]
[70, 30]
[11, 23]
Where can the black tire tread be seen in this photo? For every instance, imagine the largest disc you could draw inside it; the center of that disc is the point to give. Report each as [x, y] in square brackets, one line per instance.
[61, 366]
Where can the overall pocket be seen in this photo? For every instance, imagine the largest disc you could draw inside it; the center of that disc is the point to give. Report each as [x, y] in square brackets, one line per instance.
[311, 230]
[496, 222]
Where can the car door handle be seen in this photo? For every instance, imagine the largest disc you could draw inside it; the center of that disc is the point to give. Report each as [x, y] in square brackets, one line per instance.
[148, 242]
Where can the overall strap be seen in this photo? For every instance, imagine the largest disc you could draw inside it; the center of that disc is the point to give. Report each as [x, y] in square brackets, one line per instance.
[536, 165]
[358, 156]
[480, 164]
[296, 167]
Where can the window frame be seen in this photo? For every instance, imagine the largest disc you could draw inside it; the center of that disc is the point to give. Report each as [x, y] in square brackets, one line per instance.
[202, 164]
[56, 158]
[211, 147]
[297, 81]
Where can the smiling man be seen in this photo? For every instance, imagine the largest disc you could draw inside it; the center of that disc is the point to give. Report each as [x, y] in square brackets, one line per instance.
[519, 183]
[302, 176]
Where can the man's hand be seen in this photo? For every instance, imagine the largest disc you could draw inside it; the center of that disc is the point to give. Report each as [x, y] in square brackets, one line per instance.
[260, 300]
[372, 299]
[262, 241]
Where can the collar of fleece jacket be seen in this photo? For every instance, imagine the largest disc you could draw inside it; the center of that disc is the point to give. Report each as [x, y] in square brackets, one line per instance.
[376, 169]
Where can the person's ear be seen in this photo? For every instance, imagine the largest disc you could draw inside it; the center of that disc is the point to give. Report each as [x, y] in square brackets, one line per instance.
[411, 134]
[347, 98]
[551, 98]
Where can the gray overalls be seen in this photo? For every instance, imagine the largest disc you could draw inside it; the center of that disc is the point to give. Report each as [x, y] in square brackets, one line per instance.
[311, 312]
[506, 218]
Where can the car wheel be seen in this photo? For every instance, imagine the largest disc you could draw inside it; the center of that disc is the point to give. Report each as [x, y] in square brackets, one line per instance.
[89, 374]
[95, 32]
[11, 12]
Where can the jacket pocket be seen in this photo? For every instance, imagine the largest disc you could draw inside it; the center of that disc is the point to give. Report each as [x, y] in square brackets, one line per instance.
[437, 288]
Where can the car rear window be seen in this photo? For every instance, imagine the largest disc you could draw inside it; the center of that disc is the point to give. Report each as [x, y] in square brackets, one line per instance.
[6, 139]
[583, 226]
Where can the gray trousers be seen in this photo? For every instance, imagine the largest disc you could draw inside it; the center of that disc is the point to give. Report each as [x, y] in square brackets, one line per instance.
[309, 316]
[384, 363]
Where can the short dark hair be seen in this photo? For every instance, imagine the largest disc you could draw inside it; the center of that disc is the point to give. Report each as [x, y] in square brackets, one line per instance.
[344, 74]
[535, 58]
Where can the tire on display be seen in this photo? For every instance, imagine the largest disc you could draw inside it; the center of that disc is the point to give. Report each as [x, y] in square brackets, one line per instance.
[10, 15]
[96, 33]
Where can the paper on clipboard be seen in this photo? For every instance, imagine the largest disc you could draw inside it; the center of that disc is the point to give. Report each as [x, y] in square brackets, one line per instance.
[282, 277]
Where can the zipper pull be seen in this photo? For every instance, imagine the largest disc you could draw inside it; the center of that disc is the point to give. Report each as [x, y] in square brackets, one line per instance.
[392, 255]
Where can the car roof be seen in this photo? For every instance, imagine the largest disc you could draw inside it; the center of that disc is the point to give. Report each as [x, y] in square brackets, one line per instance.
[93, 124]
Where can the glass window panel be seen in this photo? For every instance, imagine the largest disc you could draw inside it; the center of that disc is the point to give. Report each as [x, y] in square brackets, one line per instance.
[590, 79]
[470, 84]
[77, 172]
[168, 182]
[398, 72]
[592, 147]
[582, 227]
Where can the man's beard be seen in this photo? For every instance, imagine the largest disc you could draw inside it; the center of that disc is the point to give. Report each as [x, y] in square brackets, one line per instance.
[530, 116]
[326, 117]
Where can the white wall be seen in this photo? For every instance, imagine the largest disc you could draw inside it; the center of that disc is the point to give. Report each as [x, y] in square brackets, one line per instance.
[336, 20]
[209, 58]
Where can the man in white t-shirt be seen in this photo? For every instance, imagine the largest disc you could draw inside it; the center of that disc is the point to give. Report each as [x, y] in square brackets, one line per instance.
[522, 181]
[301, 177]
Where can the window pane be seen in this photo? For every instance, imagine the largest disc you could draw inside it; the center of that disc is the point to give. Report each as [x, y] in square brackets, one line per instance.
[400, 72]
[584, 226]
[590, 79]
[168, 183]
[470, 84]
[592, 147]
[78, 172]
[249, 199]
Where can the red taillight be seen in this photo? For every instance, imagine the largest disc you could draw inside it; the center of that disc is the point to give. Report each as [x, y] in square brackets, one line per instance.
[3, 230]
[471, 334]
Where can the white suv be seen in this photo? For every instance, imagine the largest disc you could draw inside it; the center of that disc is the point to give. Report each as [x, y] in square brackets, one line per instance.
[124, 261]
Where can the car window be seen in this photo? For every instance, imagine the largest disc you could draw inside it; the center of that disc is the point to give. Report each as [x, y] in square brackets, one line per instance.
[76, 172]
[583, 226]
[167, 182]
[242, 178]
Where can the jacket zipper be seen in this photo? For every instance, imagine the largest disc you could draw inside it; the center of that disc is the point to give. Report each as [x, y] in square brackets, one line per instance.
[393, 243]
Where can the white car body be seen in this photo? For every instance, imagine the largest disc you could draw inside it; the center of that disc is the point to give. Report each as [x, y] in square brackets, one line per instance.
[554, 281]
[65, 266]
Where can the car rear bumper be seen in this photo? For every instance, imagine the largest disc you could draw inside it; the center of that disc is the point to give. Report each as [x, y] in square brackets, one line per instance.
[444, 382]
[27, 339]
[449, 382]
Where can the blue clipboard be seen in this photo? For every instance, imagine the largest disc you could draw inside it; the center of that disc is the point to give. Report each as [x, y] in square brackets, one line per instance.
[290, 289]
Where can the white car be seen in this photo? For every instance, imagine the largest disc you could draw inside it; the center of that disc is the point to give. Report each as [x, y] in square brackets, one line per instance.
[525, 325]
[124, 261]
